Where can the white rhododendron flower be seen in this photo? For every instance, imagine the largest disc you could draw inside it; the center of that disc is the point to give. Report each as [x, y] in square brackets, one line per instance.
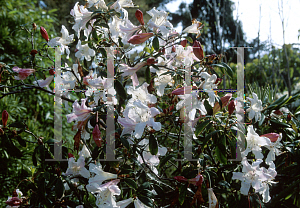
[77, 168]
[63, 41]
[159, 21]
[141, 93]
[185, 56]
[81, 16]
[97, 4]
[255, 108]
[44, 83]
[129, 30]
[120, 4]
[151, 160]
[114, 28]
[274, 149]
[251, 175]
[209, 86]
[196, 104]
[84, 51]
[194, 28]
[136, 117]
[255, 142]
[80, 112]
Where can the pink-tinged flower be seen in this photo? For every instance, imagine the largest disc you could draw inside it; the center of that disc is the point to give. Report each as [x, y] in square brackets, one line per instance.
[140, 38]
[224, 101]
[44, 33]
[13, 202]
[80, 113]
[4, 118]
[131, 71]
[198, 50]
[22, 73]
[180, 91]
[231, 107]
[272, 136]
[139, 16]
[197, 181]
[97, 136]
[45, 83]
[77, 168]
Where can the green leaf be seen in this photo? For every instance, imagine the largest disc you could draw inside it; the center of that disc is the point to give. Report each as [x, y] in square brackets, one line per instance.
[148, 75]
[125, 142]
[228, 69]
[155, 43]
[182, 193]
[276, 103]
[21, 141]
[95, 36]
[120, 90]
[18, 124]
[153, 145]
[103, 52]
[159, 190]
[104, 25]
[208, 108]
[165, 160]
[221, 155]
[200, 127]
[59, 188]
[131, 183]
[146, 200]
[189, 39]
[95, 152]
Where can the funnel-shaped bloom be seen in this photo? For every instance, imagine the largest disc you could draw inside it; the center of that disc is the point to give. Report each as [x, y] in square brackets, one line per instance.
[80, 113]
[22, 73]
[131, 71]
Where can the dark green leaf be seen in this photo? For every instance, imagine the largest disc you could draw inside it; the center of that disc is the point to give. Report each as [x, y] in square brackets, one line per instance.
[159, 190]
[21, 141]
[182, 193]
[125, 142]
[120, 89]
[189, 39]
[228, 69]
[94, 34]
[164, 160]
[18, 124]
[148, 75]
[104, 25]
[155, 43]
[131, 183]
[59, 188]
[95, 152]
[146, 200]
[200, 127]
[153, 145]
[221, 155]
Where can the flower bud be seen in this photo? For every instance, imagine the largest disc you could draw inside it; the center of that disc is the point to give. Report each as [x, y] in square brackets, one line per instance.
[51, 72]
[272, 136]
[140, 38]
[70, 155]
[224, 101]
[218, 81]
[34, 26]
[173, 48]
[150, 61]
[278, 112]
[183, 42]
[44, 33]
[198, 50]
[180, 91]
[97, 136]
[139, 16]
[33, 52]
[289, 117]
[4, 118]
[231, 107]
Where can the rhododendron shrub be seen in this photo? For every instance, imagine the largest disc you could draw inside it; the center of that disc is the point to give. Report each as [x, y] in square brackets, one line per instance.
[153, 130]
